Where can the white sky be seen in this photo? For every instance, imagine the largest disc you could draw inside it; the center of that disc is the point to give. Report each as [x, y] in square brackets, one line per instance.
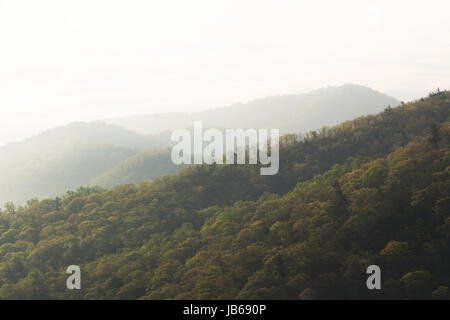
[65, 60]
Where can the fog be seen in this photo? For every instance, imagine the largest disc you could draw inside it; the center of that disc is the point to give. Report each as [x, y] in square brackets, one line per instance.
[62, 61]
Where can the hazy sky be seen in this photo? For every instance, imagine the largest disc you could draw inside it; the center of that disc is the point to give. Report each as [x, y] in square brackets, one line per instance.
[65, 60]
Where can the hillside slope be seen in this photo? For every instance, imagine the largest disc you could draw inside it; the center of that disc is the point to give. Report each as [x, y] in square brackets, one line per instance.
[321, 149]
[63, 158]
[379, 195]
[146, 165]
[313, 243]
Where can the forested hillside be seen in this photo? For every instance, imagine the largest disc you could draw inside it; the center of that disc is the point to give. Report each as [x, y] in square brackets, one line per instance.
[375, 190]
[64, 158]
[302, 158]
[146, 165]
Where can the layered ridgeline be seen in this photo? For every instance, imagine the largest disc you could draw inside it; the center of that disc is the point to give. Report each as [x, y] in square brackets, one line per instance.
[48, 164]
[290, 113]
[375, 190]
[64, 158]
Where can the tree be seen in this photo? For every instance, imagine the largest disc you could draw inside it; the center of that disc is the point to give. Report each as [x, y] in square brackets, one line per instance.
[10, 207]
[435, 136]
[397, 256]
[441, 293]
[57, 203]
[417, 284]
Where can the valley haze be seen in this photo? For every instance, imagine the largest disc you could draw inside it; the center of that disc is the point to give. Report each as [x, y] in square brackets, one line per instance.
[67, 157]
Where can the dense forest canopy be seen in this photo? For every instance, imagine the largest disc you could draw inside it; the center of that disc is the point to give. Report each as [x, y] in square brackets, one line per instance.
[375, 190]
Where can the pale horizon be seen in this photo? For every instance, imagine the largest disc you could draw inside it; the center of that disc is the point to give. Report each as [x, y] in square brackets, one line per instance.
[62, 62]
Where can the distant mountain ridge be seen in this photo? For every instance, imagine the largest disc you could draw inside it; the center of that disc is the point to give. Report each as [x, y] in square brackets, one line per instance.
[80, 132]
[290, 113]
[64, 158]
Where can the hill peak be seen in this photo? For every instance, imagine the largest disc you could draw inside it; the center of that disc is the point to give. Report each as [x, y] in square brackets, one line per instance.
[292, 113]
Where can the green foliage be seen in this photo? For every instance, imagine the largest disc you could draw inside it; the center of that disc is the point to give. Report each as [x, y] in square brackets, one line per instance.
[10, 207]
[225, 232]
[146, 165]
[435, 136]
